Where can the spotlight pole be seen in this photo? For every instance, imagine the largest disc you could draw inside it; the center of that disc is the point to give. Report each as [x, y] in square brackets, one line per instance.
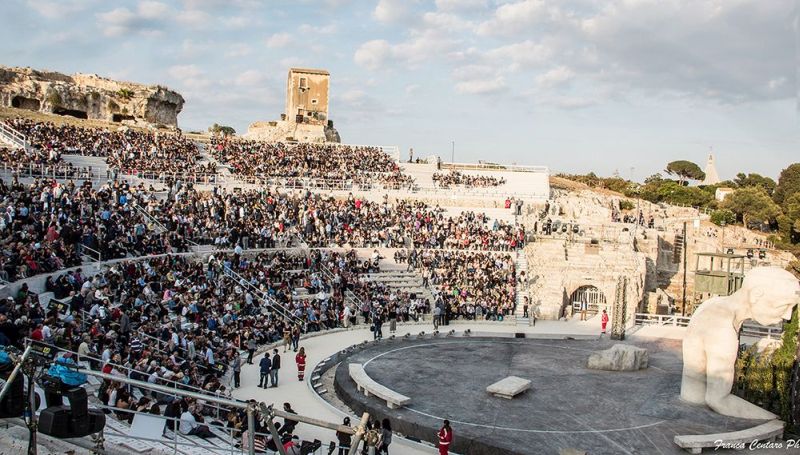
[453, 153]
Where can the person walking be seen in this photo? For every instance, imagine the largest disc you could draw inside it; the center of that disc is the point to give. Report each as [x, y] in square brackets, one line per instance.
[445, 435]
[266, 366]
[251, 349]
[300, 359]
[345, 439]
[276, 365]
[287, 337]
[236, 366]
[295, 337]
[385, 438]
[603, 322]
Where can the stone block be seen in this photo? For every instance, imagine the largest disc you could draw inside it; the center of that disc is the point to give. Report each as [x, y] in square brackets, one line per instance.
[509, 387]
[621, 357]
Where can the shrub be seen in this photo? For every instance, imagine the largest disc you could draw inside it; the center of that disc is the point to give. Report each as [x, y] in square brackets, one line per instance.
[625, 204]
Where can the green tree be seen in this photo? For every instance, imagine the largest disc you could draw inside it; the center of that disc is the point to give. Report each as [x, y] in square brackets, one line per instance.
[754, 179]
[788, 183]
[723, 215]
[685, 170]
[221, 129]
[752, 204]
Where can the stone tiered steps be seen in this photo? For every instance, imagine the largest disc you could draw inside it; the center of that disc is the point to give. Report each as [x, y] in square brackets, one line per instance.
[400, 280]
[521, 266]
[97, 163]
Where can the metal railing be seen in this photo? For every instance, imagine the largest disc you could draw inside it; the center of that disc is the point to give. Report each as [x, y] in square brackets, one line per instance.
[662, 319]
[749, 328]
[91, 253]
[12, 136]
[269, 301]
[495, 167]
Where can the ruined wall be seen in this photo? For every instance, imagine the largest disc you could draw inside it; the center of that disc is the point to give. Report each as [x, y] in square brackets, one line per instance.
[89, 96]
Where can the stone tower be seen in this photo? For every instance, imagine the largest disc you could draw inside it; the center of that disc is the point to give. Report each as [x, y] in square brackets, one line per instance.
[307, 96]
[712, 178]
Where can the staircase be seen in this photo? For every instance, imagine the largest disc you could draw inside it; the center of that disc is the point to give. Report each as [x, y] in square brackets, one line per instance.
[522, 266]
[401, 281]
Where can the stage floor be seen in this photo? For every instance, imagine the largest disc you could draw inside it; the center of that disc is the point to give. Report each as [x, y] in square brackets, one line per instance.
[568, 405]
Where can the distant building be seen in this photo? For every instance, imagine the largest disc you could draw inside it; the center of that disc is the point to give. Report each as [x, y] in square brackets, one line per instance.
[712, 178]
[305, 118]
[307, 96]
[722, 193]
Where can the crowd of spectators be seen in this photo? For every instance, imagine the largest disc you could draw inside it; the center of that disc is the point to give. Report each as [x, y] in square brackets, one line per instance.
[127, 151]
[470, 284]
[453, 178]
[362, 165]
[47, 226]
[38, 163]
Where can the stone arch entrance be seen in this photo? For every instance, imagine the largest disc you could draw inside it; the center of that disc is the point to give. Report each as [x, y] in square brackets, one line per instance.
[591, 296]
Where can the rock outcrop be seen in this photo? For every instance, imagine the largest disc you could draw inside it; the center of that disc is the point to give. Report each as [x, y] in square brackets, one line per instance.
[281, 130]
[89, 96]
[621, 357]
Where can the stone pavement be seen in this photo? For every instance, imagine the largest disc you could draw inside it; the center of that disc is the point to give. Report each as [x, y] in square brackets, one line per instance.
[305, 401]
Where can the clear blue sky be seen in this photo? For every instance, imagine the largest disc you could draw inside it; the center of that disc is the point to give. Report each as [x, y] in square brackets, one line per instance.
[578, 85]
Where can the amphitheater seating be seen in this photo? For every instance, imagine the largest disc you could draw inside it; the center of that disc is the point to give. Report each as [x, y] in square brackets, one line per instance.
[366, 384]
[696, 443]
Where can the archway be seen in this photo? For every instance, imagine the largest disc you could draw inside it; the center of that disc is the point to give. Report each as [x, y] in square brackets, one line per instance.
[590, 296]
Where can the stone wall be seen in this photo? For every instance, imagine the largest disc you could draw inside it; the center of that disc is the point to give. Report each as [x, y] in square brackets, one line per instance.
[89, 96]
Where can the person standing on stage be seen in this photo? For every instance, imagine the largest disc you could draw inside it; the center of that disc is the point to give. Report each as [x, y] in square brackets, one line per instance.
[300, 358]
[445, 438]
[276, 365]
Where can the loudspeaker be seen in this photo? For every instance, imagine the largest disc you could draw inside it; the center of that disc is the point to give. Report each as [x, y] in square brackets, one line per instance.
[54, 421]
[58, 421]
[519, 335]
[13, 404]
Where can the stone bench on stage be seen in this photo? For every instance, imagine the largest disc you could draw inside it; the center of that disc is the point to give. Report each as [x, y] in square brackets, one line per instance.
[509, 387]
[366, 384]
[733, 440]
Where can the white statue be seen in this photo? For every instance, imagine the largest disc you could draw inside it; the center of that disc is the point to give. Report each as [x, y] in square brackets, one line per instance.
[711, 344]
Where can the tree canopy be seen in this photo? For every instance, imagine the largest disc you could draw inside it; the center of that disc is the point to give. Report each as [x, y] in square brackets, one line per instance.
[788, 183]
[752, 204]
[221, 129]
[743, 180]
[685, 170]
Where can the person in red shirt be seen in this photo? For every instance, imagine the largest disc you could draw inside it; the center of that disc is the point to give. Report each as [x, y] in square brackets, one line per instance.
[37, 335]
[445, 438]
[604, 321]
[300, 358]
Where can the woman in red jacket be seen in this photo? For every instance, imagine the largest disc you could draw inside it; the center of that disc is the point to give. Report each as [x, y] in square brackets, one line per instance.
[445, 438]
[300, 358]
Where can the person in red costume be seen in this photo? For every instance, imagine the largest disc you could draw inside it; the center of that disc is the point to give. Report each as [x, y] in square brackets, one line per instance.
[300, 358]
[604, 321]
[445, 438]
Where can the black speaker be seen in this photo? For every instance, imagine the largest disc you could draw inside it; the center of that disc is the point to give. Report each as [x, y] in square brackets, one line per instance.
[13, 403]
[57, 421]
[54, 421]
[519, 335]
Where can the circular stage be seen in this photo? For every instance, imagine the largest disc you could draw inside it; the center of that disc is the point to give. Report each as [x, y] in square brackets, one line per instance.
[568, 405]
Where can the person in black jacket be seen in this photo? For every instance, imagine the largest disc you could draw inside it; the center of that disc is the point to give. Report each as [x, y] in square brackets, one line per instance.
[288, 424]
[276, 365]
[345, 439]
